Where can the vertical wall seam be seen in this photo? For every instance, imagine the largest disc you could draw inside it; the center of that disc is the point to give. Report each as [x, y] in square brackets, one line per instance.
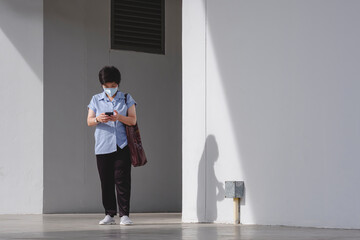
[205, 110]
[85, 79]
[43, 112]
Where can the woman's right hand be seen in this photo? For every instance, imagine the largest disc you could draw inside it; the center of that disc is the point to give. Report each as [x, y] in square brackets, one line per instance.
[103, 118]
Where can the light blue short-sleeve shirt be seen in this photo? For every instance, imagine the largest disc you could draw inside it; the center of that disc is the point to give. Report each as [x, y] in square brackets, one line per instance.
[110, 134]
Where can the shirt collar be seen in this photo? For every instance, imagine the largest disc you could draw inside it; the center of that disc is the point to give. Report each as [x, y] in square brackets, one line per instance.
[119, 95]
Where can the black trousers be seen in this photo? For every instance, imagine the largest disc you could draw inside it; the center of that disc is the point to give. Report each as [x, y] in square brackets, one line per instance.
[115, 170]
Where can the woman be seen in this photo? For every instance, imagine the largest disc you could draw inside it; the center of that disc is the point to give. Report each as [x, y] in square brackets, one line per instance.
[109, 113]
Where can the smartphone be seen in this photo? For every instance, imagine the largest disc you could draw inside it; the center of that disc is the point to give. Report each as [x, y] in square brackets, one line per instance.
[109, 113]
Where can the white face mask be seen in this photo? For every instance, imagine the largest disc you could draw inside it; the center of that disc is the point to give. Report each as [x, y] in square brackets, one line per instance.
[110, 91]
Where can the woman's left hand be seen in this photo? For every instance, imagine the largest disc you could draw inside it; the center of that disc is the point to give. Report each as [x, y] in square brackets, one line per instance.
[114, 117]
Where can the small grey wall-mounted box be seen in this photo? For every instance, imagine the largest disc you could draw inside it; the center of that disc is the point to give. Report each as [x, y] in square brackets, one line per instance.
[234, 189]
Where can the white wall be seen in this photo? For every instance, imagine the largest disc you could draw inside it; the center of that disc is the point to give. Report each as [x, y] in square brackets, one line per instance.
[281, 89]
[77, 46]
[21, 103]
[193, 109]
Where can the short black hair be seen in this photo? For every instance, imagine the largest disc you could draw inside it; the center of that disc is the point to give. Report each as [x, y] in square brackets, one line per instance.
[109, 74]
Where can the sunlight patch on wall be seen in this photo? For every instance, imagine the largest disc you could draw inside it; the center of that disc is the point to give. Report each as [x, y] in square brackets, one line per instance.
[228, 166]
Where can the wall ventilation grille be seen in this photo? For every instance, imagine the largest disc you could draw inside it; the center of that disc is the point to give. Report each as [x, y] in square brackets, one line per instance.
[138, 25]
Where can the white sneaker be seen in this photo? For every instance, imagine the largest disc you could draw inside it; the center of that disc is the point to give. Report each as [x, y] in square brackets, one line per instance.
[125, 220]
[108, 220]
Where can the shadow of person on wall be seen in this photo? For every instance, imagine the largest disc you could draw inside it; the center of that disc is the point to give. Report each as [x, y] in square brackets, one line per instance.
[209, 190]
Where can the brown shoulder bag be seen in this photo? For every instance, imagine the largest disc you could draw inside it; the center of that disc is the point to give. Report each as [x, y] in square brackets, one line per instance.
[137, 152]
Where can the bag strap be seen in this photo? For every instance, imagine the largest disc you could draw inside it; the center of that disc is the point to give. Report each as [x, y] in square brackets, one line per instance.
[126, 102]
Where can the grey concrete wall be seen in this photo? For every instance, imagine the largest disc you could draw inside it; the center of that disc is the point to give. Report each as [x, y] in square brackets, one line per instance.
[21, 103]
[77, 46]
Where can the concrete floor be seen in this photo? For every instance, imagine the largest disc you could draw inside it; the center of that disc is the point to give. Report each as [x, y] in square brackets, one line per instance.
[152, 226]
